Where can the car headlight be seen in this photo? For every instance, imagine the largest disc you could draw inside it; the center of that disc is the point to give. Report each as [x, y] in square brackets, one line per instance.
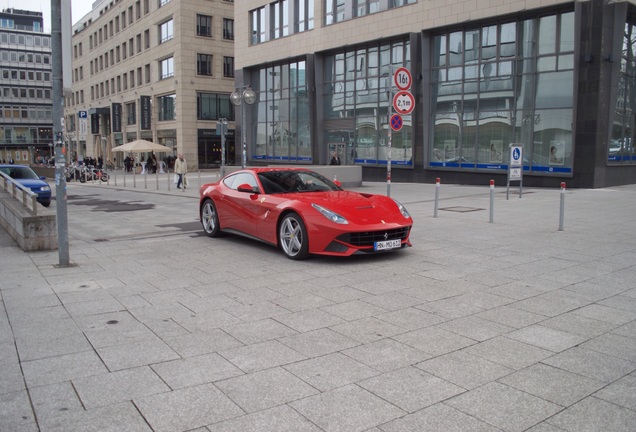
[403, 210]
[45, 188]
[332, 216]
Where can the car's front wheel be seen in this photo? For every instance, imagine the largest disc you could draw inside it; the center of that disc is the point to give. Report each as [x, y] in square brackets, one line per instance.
[210, 219]
[292, 236]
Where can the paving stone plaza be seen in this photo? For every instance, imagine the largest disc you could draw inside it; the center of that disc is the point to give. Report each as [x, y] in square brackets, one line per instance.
[508, 326]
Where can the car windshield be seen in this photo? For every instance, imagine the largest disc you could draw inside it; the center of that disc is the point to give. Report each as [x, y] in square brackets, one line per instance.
[20, 173]
[281, 181]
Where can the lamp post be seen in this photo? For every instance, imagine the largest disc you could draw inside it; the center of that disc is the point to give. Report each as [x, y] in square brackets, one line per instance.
[221, 129]
[104, 159]
[242, 97]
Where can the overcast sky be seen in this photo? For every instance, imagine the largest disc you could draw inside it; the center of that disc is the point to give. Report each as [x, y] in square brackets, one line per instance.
[79, 8]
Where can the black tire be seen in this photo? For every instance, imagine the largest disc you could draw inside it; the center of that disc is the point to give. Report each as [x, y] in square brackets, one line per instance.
[105, 177]
[210, 219]
[292, 237]
[82, 178]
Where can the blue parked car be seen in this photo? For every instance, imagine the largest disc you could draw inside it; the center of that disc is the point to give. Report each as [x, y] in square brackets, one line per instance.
[28, 178]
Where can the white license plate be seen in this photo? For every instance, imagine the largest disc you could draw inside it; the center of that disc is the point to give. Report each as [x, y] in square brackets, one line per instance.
[387, 244]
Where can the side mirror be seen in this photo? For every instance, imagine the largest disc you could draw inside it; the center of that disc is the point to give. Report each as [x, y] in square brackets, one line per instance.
[246, 188]
[43, 178]
[337, 183]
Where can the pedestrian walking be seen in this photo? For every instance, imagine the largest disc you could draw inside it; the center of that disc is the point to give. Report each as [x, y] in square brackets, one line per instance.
[181, 168]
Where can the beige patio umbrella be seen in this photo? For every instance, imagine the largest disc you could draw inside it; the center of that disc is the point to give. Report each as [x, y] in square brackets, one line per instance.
[140, 146]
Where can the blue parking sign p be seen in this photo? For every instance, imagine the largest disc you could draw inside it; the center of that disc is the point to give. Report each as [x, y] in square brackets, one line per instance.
[82, 114]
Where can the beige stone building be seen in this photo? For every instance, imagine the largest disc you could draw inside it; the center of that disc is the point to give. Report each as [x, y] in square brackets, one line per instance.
[160, 70]
[546, 86]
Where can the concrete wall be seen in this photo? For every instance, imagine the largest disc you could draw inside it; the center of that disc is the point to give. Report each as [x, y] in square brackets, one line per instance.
[32, 233]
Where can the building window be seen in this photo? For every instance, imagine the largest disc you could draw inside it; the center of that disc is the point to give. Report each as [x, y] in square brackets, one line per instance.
[304, 18]
[281, 119]
[147, 71]
[356, 123]
[258, 25]
[204, 25]
[163, 2]
[213, 106]
[166, 68]
[343, 10]
[273, 21]
[228, 67]
[280, 19]
[131, 111]
[228, 29]
[166, 31]
[621, 148]
[204, 64]
[167, 107]
[502, 83]
[147, 39]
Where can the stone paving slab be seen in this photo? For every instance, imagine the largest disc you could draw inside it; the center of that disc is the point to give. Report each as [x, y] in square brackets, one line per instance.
[509, 326]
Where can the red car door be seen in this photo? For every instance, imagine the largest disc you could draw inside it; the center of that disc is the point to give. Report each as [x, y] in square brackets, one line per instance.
[239, 210]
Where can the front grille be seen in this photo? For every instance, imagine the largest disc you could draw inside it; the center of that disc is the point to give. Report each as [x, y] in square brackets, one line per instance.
[367, 238]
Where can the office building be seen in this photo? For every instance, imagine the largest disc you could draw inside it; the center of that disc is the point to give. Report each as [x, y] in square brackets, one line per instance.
[26, 127]
[159, 70]
[554, 79]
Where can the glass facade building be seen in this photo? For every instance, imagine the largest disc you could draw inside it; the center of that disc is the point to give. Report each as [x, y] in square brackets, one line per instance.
[558, 80]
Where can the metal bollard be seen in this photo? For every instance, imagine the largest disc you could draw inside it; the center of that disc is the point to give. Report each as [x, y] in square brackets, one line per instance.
[436, 197]
[562, 209]
[492, 200]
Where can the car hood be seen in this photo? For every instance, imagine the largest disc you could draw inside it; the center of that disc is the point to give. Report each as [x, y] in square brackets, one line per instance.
[31, 183]
[356, 207]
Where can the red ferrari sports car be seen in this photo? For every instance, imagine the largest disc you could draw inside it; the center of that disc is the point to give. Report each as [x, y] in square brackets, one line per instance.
[303, 213]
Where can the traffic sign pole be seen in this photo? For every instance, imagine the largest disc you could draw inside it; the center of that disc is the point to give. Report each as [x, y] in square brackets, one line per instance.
[515, 167]
[389, 144]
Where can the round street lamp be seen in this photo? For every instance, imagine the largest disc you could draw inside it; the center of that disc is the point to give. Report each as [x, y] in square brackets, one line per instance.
[248, 96]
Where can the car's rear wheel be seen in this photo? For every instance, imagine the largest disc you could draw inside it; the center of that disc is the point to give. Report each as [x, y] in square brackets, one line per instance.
[210, 219]
[292, 236]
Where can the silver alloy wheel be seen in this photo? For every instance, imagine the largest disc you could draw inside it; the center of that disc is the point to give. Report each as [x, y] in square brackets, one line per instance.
[293, 237]
[209, 219]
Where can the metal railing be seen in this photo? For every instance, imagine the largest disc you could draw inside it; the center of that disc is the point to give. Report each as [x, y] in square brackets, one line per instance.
[28, 198]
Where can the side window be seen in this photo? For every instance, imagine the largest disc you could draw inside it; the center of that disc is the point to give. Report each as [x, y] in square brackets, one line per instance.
[243, 178]
[229, 181]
